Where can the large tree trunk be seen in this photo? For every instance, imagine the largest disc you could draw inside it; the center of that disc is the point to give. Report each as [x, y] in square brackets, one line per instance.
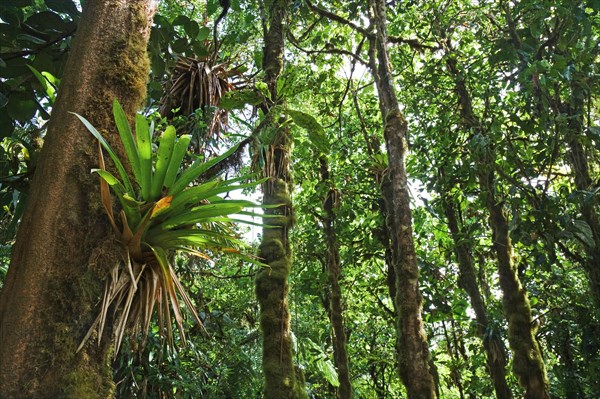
[413, 352]
[528, 364]
[340, 356]
[492, 343]
[281, 381]
[62, 251]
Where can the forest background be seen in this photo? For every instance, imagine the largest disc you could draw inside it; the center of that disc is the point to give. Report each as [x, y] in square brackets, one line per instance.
[431, 193]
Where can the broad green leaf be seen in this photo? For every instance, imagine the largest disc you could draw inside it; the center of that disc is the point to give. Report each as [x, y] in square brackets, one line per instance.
[127, 138]
[196, 238]
[111, 153]
[584, 233]
[203, 33]
[263, 88]
[163, 158]
[144, 145]
[54, 82]
[39, 77]
[194, 171]
[328, 371]
[197, 214]
[176, 159]
[191, 196]
[121, 193]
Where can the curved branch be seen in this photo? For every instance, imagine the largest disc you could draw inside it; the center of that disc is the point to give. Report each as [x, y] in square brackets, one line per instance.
[17, 54]
[413, 43]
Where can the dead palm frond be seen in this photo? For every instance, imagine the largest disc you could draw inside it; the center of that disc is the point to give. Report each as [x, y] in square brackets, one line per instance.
[199, 84]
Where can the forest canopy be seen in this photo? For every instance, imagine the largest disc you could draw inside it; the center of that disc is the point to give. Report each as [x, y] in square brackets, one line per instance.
[300, 199]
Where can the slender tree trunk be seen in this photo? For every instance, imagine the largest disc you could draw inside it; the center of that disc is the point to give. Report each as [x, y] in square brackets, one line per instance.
[494, 348]
[62, 252]
[413, 352]
[528, 364]
[578, 158]
[340, 355]
[281, 379]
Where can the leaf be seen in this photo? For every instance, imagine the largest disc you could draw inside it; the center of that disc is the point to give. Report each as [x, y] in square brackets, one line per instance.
[203, 33]
[263, 88]
[197, 214]
[197, 238]
[316, 133]
[191, 29]
[584, 233]
[176, 159]
[127, 138]
[325, 366]
[62, 6]
[105, 191]
[196, 170]
[193, 195]
[111, 153]
[162, 205]
[39, 77]
[144, 145]
[163, 158]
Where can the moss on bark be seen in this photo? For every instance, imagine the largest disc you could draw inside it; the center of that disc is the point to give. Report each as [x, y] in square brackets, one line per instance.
[413, 351]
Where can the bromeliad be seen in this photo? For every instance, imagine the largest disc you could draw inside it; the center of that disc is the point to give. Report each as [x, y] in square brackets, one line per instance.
[160, 212]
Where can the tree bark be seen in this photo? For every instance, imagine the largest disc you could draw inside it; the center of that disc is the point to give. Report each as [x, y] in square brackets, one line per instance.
[528, 364]
[492, 343]
[63, 249]
[340, 356]
[282, 380]
[413, 352]
[578, 158]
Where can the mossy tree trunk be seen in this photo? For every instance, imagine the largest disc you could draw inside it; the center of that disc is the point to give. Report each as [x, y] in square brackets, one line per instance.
[413, 352]
[578, 158]
[492, 342]
[60, 257]
[281, 378]
[333, 264]
[528, 363]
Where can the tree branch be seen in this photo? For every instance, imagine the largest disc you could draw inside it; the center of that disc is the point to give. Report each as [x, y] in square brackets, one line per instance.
[413, 43]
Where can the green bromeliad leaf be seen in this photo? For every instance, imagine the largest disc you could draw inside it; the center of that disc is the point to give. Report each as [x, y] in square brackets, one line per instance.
[163, 159]
[111, 153]
[127, 138]
[143, 134]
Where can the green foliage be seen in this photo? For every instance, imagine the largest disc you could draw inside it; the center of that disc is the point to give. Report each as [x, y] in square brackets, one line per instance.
[35, 37]
[525, 68]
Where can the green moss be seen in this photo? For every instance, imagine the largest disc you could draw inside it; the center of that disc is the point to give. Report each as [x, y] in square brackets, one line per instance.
[272, 248]
[81, 383]
[300, 385]
[279, 193]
